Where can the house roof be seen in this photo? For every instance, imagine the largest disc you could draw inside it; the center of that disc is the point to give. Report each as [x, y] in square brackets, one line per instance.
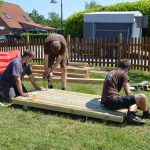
[15, 17]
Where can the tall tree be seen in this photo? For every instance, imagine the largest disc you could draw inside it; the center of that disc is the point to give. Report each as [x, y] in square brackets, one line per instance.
[91, 4]
[54, 19]
[36, 17]
[1, 2]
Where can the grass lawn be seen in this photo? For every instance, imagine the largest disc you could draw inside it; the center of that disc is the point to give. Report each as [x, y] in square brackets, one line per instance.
[38, 129]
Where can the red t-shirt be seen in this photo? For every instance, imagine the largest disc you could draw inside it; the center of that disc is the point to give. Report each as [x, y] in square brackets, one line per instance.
[113, 84]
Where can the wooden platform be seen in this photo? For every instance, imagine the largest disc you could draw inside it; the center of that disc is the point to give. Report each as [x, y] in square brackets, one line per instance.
[70, 102]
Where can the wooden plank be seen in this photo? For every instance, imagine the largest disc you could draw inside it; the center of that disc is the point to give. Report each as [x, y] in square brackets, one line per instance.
[79, 64]
[73, 75]
[73, 80]
[70, 102]
[69, 69]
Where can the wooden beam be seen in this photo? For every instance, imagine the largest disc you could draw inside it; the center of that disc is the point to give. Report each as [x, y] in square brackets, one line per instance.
[79, 64]
[69, 69]
[73, 75]
[73, 80]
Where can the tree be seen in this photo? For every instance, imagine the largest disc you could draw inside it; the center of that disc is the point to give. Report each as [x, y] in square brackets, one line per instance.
[54, 19]
[91, 4]
[37, 18]
[1, 2]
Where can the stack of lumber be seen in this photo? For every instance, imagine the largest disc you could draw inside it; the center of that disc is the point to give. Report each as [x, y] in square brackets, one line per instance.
[76, 73]
[71, 71]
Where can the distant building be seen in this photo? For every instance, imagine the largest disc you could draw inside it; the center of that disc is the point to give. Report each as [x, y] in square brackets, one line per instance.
[110, 24]
[14, 20]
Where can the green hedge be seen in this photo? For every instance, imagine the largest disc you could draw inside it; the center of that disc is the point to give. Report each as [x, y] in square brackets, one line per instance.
[34, 35]
[74, 24]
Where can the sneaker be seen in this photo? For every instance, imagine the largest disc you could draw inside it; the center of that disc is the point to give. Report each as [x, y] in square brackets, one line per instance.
[63, 88]
[134, 120]
[146, 114]
[50, 86]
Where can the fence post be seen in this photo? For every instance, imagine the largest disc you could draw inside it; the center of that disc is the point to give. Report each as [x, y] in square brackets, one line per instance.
[119, 46]
[27, 41]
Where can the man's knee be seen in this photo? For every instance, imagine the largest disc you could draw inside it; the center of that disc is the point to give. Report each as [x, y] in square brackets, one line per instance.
[140, 97]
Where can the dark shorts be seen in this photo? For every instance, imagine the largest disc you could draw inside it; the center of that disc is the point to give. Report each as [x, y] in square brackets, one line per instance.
[121, 102]
[63, 63]
[9, 90]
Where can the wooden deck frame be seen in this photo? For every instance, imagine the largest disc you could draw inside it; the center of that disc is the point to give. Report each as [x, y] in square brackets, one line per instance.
[71, 71]
[70, 102]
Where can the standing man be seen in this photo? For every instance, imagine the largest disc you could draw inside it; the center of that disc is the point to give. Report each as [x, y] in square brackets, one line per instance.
[11, 79]
[55, 53]
[113, 84]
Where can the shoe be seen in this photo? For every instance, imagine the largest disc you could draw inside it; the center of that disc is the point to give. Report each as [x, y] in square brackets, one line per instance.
[134, 120]
[146, 114]
[63, 88]
[50, 86]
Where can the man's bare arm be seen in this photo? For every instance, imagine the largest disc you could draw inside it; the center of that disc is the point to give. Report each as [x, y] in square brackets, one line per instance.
[19, 87]
[127, 90]
[58, 60]
[33, 81]
[45, 61]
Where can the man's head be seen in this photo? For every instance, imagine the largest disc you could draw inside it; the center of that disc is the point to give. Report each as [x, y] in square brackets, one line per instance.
[56, 45]
[28, 55]
[124, 64]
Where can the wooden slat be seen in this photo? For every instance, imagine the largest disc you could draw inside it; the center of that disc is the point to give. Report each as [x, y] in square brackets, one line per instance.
[73, 80]
[69, 69]
[75, 75]
[70, 102]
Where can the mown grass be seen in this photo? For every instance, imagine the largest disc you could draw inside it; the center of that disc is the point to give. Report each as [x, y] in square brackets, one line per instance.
[38, 129]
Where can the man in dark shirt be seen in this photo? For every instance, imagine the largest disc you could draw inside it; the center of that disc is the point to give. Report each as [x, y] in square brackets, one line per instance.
[55, 53]
[11, 79]
[113, 84]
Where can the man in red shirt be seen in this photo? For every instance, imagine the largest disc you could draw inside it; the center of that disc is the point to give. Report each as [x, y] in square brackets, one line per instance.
[114, 82]
[55, 53]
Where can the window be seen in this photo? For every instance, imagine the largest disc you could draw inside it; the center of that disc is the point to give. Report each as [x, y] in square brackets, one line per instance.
[27, 19]
[7, 15]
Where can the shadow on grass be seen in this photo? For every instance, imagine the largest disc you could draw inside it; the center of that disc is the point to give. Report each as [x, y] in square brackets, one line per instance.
[4, 100]
[74, 117]
[95, 106]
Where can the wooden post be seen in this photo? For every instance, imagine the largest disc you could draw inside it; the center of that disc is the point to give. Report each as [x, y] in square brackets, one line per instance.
[119, 47]
[27, 41]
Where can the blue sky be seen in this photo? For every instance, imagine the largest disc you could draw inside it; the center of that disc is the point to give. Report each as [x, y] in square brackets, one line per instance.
[69, 6]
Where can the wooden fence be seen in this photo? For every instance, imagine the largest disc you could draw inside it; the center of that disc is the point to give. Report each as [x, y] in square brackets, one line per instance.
[99, 52]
